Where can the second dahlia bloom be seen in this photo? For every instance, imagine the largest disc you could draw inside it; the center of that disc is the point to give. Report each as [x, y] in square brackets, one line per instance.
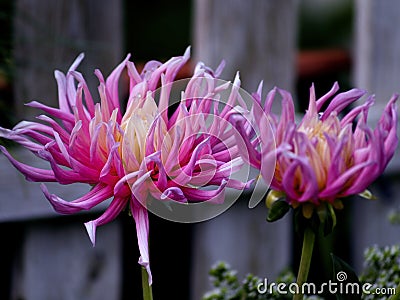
[130, 154]
[328, 154]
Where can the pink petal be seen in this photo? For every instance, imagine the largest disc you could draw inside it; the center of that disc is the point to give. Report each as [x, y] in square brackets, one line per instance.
[67, 117]
[139, 213]
[321, 101]
[65, 176]
[336, 186]
[198, 195]
[31, 173]
[175, 194]
[88, 97]
[342, 100]
[95, 196]
[113, 210]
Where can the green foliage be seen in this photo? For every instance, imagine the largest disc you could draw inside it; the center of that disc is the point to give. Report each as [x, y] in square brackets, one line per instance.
[382, 269]
[228, 287]
[394, 217]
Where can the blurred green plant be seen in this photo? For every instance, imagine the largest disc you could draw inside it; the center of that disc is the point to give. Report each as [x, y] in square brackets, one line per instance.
[381, 269]
[228, 287]
[394, 217]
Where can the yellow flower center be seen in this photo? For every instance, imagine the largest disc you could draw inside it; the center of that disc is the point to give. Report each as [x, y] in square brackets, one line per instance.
[320, 153]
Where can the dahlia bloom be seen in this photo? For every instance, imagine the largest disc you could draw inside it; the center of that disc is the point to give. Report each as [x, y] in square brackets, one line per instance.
[132, 154]
[329, 154]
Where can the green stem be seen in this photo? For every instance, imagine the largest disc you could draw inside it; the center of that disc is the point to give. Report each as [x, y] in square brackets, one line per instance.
[305, 261]
[147, 291]
[396, 295]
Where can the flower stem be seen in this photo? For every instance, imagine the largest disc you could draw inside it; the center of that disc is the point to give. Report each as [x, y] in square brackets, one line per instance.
[147, 291]
[396, 295]
[305, 261]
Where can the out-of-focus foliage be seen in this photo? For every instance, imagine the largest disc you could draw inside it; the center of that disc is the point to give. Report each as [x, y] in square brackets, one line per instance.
[227, 286]
[382, 269]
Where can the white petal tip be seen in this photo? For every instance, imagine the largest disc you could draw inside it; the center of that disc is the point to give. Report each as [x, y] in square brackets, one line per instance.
[91, 230]
[187, 51]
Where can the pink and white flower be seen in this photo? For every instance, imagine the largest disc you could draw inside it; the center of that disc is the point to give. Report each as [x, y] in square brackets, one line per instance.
[329, 154]
[129, 155]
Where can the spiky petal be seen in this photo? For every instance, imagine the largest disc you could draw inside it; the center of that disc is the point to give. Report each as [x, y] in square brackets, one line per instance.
[325, 157]
[130, 153]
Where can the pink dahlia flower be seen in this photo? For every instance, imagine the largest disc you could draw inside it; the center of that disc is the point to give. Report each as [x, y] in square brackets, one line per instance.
[329, 154]
[129, 155]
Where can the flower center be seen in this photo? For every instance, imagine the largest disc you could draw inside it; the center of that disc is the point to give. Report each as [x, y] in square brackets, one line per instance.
[324, 136]
[136, 125]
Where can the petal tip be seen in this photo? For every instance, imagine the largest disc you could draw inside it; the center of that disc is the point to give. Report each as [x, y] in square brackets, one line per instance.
[91, 230]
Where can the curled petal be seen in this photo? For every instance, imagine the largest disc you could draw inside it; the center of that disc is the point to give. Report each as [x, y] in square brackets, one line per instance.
[116, 206]
[336, 186]
[343, 100]
[321, 101]
[198, 195]
[307, 182]
[97, 195]
[174, 193]
[57, 113]
[31, 173]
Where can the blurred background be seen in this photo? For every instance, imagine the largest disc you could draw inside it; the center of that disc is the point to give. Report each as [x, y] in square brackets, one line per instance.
[287, 43]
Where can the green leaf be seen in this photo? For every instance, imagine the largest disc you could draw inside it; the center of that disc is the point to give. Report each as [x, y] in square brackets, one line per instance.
[330, 220]
[278, 210]
[328, 225]
[344, 275]
[322, 212]
[367, 195]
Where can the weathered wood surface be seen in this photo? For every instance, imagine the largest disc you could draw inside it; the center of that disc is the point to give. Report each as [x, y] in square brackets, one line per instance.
[377, 44]
[377, 69]
[50, 34]
[242, 238]
[21, 200]
[58, 262]
[257, 38]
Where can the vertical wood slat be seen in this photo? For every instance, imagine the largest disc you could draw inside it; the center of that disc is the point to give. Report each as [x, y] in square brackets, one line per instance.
[257, 38]
[377, 44]
[377, 69]
[50, 34]
[58, 262]
[243, 239]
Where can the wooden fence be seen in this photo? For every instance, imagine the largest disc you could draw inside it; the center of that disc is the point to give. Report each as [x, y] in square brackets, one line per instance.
[50, 257]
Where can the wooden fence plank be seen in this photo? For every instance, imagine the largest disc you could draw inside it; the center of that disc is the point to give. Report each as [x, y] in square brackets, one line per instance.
[377, 69]
[58, 262]
[257, 38]
[50, 34]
